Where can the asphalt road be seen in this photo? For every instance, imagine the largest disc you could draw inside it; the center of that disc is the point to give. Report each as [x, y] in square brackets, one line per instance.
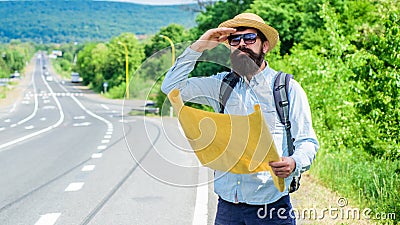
[69, 156]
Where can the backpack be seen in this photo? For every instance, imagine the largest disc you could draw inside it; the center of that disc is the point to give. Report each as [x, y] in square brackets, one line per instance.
[280, 92]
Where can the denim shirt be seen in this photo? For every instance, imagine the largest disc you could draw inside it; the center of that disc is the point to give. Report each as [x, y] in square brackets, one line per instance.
[255, 188]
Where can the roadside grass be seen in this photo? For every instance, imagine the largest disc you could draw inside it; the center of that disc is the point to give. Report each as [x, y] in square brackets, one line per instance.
[369, 182]
[3, 92]
[5, 89]
[315, 204]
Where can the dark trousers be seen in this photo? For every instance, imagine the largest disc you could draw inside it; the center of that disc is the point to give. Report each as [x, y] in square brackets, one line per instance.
[279, 212]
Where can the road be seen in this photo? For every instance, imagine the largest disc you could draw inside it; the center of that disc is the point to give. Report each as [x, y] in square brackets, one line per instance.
[69, 156]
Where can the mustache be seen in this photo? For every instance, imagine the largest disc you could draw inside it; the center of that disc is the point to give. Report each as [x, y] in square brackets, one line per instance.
[243, 49]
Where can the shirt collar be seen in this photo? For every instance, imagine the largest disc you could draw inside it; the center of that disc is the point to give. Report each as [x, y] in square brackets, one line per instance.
[264, 75]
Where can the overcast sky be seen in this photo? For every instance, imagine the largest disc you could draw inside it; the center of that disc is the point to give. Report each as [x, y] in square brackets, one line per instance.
[159, 2]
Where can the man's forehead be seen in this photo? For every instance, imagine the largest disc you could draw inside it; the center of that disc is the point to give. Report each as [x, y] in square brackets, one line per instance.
[246, 30]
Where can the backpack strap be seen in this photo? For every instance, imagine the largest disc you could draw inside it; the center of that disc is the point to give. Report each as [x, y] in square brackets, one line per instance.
[228, 83]
[281, 89]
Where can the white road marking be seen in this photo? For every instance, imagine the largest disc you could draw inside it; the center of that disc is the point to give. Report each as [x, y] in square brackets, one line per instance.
[84, 124]
[46, 101]
[49, 107]
[79, 117]
[13, 107]
[105, 141]
[74, 186]
[35, 101]
[46, 95]
[7, 120]
[181, 129]
[97, 155]
[127, 121]
[200, 216]
[13, 125]
[101, 147]
[105, 107]
[48, 219]
[29, 127]
[2, 146]
[109, 132]
[25, 102]
[43, 119]
[2, 128]
[88, 168]
[107, 136]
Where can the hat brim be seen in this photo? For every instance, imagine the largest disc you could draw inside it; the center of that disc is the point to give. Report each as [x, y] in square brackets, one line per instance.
[269, 32]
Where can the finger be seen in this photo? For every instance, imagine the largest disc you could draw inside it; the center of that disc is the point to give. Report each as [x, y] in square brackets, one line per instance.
[278, 164]
[226, 30]
[223, 38]
[222, 31]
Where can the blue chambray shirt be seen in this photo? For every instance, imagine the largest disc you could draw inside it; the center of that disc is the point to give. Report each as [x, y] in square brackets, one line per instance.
[256, 188]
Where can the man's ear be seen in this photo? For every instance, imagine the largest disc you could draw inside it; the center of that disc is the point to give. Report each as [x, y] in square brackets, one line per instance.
[265, 46]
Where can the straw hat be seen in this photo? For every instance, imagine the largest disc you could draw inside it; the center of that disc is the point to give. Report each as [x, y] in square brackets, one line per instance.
[254, 21]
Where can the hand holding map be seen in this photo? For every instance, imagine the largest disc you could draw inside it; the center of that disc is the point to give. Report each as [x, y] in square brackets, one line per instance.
[231, 143]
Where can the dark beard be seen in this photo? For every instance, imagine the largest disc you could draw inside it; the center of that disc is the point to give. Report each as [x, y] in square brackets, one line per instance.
[246, 64]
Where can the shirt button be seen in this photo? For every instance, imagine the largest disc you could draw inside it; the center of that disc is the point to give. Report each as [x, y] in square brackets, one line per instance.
[238, 182]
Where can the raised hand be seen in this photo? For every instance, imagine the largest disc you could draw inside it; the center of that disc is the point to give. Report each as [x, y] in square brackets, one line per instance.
[211, 38]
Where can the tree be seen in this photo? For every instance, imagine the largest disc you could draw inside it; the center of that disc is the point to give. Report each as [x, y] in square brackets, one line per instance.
[105, 62]
[175, 32]
[218, 13]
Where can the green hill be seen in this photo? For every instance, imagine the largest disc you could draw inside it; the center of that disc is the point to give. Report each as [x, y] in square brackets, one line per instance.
[70, 21]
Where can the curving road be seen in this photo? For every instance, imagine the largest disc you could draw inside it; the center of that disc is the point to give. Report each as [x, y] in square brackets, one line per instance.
[68, 156]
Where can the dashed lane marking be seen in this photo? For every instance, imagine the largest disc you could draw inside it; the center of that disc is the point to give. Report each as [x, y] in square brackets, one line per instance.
[44, 94]
[105, 107]
[74, 186]
[88, 168]
[101, 147]
[97, 155]
[29, 127]
[84, 124]
[48, 219]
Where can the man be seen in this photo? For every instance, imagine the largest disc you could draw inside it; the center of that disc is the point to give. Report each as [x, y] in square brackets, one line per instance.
[249, 198]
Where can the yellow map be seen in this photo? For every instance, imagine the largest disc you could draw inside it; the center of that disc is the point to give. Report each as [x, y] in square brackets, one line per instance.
[231, 143]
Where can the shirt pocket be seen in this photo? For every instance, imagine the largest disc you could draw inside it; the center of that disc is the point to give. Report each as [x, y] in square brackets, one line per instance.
[234, 105]
[269, 114]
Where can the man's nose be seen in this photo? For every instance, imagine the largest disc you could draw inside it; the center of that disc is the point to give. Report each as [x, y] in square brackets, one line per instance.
[241, 43]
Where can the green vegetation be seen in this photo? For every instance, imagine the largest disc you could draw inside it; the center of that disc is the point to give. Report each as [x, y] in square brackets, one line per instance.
[349, 67]
[345, 53]
[14, 56]
[80, 21]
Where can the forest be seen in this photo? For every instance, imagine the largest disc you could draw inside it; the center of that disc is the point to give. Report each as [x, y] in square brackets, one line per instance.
[82, 21]
[344, 53]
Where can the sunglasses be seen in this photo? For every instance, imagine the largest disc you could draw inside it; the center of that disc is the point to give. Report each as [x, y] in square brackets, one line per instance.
[249, 38]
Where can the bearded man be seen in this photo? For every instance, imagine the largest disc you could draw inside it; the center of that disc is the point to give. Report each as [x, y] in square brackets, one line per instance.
[249, 198]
